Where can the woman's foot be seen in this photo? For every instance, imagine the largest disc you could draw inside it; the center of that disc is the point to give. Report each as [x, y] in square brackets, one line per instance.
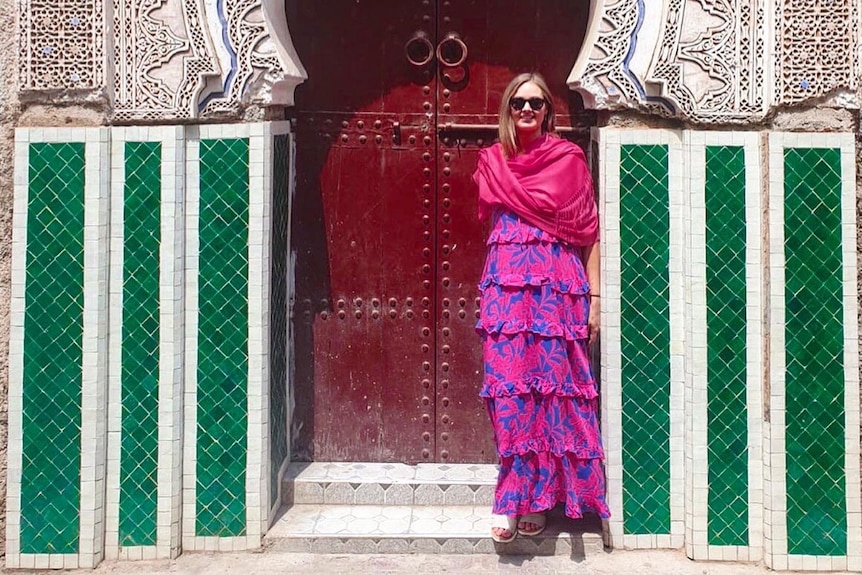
[504, 528]
[531, 524]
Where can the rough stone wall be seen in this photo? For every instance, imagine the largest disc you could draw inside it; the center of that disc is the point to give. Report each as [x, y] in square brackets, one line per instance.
[859, 229]
[9, 113]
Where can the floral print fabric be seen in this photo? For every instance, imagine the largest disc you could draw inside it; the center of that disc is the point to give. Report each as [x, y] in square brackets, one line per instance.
[538, 384]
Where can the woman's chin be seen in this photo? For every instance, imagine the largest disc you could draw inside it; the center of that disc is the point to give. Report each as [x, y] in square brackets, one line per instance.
[528, 134]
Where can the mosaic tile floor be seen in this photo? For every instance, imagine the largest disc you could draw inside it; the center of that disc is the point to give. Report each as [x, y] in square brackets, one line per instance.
[393, 473]
[427, 529]
[393, 508]
[389, 484]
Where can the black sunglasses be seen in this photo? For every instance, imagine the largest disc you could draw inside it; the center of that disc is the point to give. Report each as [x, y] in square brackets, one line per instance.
[536, 104]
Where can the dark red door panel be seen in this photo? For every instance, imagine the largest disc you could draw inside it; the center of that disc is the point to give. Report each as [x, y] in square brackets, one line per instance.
[373, 336]
[463, 431]
[387, 249]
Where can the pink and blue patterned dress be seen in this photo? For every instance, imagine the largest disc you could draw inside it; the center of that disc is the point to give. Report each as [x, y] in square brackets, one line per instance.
[538, 384]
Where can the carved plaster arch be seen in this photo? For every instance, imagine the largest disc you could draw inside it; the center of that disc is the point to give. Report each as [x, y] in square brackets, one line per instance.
[621, 39]
[719, 61]
[257, 59]
[705, 61]
[293, 71]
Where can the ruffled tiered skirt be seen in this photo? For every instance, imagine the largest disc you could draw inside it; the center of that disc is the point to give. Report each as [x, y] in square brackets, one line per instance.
[538, 384]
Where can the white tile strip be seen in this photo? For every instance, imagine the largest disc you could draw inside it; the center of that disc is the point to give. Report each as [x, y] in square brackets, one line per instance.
[15, 442]
[258, 512]
[775, 506]
[190, 380]
[776, 551]
[697, 463]
[611, 356]
[678, 338]
[852, 428]
[119, 136]
[171, 360]
[755, 265]
[610, 141]
[259, 270]
[94, 392]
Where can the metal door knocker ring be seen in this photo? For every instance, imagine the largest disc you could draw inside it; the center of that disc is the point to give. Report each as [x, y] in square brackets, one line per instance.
[419, 49]
[452, 51]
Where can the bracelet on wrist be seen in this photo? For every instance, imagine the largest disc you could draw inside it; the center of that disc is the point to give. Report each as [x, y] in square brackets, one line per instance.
[595, 295]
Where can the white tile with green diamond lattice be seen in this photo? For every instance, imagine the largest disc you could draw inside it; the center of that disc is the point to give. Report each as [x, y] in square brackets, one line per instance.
[812, 502]
[145, 378]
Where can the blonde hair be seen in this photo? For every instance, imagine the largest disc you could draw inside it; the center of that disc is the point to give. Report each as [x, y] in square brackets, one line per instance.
[506, 129]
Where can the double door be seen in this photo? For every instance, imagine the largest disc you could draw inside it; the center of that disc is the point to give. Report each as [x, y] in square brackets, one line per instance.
[387, 247]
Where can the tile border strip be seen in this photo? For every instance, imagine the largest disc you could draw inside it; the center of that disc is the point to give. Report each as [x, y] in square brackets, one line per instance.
[94, 396]
[610, 141]
[697, 464]
[15, 440]
[171, 342]
[94, 360]
[169, 472]
[776, 551]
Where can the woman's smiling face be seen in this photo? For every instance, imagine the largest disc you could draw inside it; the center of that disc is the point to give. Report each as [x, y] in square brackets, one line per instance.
[528, 122]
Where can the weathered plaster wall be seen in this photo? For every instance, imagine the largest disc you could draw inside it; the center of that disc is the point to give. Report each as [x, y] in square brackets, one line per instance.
[8, 119]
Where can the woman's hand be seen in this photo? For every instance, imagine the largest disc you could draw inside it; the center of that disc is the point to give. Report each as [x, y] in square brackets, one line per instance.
[594, 321]
[591, 265]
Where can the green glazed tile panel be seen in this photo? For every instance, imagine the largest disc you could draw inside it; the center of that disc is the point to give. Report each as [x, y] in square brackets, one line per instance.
[140, 345]
[645, 327]
[222, 392]
[814, 336]
[727, 432]
[53, 330]
[278, 313]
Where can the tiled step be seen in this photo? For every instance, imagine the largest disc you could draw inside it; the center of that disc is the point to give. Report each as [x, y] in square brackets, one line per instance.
[388, 484]
[450, 529]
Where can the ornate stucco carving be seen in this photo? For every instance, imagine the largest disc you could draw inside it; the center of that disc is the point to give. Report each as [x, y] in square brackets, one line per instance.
[177, 59]
[62, 45]
[166, 59]
[712, 60]
[160, 59]
[619, 46]
[257, 66]
[817, 49]
[600, 74]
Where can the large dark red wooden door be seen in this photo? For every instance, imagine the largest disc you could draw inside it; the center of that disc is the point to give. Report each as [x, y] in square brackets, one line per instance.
[401, 96]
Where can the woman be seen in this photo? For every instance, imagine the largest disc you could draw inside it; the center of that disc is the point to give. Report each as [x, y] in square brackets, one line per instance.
[540, 312]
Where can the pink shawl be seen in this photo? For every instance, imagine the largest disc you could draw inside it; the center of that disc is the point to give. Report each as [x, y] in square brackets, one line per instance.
[549, 185]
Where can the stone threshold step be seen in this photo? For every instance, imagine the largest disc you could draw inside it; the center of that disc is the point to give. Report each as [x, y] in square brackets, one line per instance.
[388, 484]
[454, 529]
